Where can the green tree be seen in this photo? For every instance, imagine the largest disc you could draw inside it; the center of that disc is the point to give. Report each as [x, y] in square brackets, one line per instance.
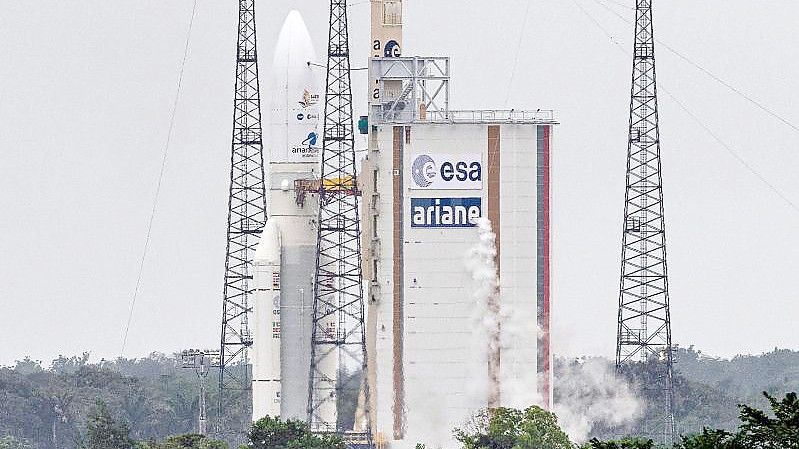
[105, 432]
[761, 431]
[627, 443]
[274, 433]
[9, 442]
[507, 428]
[711, 439]
[187, 441]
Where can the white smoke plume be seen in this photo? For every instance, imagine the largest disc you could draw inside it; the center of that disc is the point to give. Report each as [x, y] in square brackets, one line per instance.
[588, 391]
[481, 262]
[432, 427]
[497, 327]
[590, 394]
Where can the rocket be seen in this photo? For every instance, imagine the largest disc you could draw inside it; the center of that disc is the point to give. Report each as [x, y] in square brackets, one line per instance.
[285, 259]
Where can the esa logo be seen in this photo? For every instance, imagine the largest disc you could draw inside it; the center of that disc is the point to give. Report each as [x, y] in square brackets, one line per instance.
[440, 171]
[307, 116]
[445, 212]
[392, 49]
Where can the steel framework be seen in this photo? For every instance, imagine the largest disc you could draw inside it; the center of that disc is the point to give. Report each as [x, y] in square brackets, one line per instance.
[246, 214]
[644, 324]
[338, 340]
[201, 361]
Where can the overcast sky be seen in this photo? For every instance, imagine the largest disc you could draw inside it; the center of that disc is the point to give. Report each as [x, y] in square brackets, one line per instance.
[86, 90]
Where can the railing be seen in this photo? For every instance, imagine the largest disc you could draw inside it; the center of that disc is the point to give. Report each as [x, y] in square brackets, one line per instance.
[474, 116]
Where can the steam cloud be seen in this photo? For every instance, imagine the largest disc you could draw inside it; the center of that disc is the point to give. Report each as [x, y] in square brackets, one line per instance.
[486, 314]
[589, 393]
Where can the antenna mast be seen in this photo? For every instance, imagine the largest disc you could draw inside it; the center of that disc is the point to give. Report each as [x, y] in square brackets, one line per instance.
[644, 323]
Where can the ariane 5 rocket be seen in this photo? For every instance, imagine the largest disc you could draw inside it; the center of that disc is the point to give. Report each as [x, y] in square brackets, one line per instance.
[286, 256]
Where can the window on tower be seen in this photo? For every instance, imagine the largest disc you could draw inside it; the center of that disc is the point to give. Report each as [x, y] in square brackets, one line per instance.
[392, 12]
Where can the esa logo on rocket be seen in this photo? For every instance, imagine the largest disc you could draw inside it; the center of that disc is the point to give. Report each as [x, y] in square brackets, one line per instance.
[447, 171]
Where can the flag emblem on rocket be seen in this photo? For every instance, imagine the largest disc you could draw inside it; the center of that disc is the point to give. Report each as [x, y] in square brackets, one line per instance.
[308, 99]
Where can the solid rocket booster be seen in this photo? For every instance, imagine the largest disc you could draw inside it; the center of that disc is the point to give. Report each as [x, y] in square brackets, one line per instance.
[266, 375]
[293, 145]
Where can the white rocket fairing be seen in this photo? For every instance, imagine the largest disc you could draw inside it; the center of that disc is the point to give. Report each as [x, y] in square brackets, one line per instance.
[294, 101]
[293, 146]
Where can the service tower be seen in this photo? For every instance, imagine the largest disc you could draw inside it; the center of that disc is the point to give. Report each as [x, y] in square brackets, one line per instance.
[431, 175]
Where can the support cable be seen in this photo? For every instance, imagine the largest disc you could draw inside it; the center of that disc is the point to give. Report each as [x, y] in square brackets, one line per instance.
[713, 76]
[776, 190]
[518, 51]
[732, 152]
[160, 181]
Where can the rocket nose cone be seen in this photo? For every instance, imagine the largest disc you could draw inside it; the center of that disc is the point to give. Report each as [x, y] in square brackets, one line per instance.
[268, 250]
[294, 43]
[294, 18]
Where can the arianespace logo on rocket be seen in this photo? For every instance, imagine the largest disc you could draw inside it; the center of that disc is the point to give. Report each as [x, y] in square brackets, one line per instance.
[447, 171]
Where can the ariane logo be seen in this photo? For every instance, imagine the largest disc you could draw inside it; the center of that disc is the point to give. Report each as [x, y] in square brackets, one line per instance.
[445, 212]
[447, 171]
[308, 99]
[392, 49]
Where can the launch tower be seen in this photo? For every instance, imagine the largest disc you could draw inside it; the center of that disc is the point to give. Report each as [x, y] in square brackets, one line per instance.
[338, 343]
[644, 324]
[246, 214]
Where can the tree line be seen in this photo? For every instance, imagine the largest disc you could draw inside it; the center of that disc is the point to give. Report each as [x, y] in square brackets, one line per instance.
[51, 407]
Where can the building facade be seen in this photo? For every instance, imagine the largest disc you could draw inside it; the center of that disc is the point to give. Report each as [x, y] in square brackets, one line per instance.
[445, 337]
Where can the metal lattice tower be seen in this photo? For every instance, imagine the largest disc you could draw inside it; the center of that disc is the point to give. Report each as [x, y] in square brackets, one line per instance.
[246, 215]
[201, 362]
[644, 327]
[338, 342]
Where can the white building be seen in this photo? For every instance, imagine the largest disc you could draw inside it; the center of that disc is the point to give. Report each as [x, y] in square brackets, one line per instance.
[429, 174]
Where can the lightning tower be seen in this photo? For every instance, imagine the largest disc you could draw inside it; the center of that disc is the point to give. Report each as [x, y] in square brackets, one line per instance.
[644, 325]
[338, 341]
[246, 215]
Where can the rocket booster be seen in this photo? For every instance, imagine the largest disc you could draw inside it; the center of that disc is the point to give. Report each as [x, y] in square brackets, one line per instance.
[266, 375]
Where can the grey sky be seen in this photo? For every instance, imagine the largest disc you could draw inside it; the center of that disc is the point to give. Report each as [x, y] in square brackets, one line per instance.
[86, 88]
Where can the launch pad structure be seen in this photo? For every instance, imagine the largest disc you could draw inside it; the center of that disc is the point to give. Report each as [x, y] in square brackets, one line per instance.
[395, 315]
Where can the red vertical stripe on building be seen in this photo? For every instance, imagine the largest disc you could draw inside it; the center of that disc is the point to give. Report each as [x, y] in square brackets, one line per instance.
[547, 260]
